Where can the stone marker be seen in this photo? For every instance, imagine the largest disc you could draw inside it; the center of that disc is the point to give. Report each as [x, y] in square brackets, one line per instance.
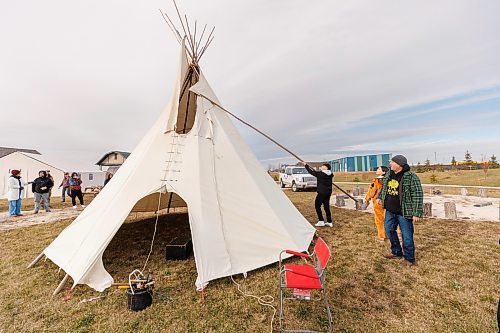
[355, 191]
[482, 193]
[427, 209]
[463, 191]
[450, 210]
[431, 190]
[339, 201]
[359, 204]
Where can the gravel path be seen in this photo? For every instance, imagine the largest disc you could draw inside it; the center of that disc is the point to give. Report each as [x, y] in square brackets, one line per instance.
[28, 219]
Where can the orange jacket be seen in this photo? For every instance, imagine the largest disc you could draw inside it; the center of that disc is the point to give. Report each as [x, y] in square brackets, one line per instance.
[374, 190]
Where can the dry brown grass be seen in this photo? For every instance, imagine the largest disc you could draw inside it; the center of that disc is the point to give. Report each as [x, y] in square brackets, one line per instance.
[454, 288]
[450, 177]
[455, 177]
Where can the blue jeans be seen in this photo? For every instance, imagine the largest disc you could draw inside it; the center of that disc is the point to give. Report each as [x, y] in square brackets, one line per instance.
[391, 223]
[15, 207]
[65, 190]
[45, 197]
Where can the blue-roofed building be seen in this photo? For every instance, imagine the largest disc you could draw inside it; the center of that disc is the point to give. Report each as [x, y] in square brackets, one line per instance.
[360, 163]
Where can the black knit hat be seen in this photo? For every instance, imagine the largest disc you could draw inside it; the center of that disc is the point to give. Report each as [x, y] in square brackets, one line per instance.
[400, 160]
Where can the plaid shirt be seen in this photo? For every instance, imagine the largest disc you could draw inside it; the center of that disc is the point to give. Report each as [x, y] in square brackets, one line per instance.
[412, 198]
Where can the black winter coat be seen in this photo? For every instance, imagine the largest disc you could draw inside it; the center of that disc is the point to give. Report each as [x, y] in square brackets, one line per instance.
[324, 180]
[40, 182]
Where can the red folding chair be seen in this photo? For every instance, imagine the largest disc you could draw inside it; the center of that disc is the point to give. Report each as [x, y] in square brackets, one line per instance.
[306, 277]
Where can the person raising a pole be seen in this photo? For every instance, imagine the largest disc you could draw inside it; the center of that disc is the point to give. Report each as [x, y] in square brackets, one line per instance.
[324, 190]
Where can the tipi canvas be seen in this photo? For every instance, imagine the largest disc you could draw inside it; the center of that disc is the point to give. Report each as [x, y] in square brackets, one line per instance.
[193, 156]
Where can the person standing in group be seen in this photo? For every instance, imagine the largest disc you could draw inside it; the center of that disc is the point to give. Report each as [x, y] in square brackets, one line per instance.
[109, 175]
[65, 187]
[324, 192]
[403, 199]
[378, 209]
[76, 189]
[15, 193]
[52, 179]
[41, 187]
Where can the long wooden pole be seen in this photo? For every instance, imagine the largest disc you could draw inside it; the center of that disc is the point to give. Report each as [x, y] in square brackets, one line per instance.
[37, 259]
[61, 285]
[278, 144]
[260, 132]
[350, 196]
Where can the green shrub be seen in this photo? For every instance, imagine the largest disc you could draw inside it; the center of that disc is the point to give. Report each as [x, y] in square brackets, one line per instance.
[433, 179]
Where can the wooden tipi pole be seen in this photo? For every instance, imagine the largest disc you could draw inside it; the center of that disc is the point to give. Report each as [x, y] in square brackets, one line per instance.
[37, 259]
[61, 285]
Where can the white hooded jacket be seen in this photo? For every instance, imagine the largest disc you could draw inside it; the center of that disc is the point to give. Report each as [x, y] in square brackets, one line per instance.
[14, 189]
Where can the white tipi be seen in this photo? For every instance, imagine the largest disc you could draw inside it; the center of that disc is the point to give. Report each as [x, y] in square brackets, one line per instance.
[193, 156]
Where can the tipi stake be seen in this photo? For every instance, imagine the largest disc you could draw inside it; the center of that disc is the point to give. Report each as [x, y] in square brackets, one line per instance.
[37, 259]
[61, 285]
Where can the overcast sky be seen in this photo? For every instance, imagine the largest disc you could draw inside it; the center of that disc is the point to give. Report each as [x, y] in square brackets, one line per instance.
[325, 78]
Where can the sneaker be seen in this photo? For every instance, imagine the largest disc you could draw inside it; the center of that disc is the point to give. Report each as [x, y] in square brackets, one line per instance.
[83, 206]
[74, 207]
[329, 224]
[19, 215]
[389, 255]
[320, 224]
[35, 212]
[381, 240]
[48, 211]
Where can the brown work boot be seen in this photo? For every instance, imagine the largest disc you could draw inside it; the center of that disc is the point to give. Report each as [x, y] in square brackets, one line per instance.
[408, 264]
[389, 255]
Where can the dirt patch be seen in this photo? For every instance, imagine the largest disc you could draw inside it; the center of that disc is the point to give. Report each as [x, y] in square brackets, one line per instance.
[29, 219]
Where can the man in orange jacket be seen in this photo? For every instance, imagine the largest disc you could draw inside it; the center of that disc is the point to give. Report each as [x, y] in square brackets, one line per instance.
[372, 195]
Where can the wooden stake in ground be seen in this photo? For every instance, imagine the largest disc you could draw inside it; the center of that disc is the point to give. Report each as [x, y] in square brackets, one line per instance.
[450, 210]
[37, 259]
[61, 285]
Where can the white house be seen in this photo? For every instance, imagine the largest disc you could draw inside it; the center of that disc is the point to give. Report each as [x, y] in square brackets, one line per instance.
[92, 178]
[113, 160]
[28, 161]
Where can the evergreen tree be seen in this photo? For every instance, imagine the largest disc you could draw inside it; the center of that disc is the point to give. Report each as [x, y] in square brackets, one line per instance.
[468, 157]
[419, 168]
[433, 179]
[493, 159]
[453, 161]
[493, 162]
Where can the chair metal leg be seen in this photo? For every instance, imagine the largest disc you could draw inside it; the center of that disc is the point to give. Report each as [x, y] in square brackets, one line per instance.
[327, 307]
[281, 299]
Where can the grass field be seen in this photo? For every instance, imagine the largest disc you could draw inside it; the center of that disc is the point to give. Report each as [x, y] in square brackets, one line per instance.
[454, 287]
[456, 177]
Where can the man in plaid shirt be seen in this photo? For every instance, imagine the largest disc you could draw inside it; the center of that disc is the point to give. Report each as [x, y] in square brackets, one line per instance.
[402, 197]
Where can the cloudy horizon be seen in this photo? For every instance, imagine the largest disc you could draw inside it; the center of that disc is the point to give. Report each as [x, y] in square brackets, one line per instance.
[326, 79]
